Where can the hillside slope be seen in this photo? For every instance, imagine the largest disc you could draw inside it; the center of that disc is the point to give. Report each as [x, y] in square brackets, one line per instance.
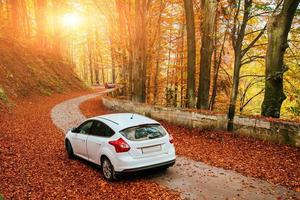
[26, 71]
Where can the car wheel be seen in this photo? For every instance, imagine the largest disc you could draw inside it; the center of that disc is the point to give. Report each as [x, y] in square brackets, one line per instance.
[108, 169]
[69, 150]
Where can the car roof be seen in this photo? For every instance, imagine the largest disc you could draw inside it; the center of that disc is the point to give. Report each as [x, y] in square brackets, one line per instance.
[120, 121]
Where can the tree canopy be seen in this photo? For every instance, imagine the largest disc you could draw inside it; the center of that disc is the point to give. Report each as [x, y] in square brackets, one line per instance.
[209, 54]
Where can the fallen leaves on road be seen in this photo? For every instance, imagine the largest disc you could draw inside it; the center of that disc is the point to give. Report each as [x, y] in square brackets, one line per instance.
[279, 164]
[34, 165]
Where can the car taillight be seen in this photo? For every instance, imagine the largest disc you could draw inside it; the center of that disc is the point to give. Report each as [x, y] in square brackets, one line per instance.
[171, 139]
[120, 145]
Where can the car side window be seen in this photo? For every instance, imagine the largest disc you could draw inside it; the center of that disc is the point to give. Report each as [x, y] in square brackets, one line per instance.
[109, 132]
[98, 129]
[85, 127]
[101, 129]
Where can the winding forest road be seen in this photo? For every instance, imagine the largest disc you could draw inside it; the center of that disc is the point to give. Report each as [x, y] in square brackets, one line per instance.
[194, 180]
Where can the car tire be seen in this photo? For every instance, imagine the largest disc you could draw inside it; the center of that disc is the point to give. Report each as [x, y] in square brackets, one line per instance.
[108, 169]
[69, 150]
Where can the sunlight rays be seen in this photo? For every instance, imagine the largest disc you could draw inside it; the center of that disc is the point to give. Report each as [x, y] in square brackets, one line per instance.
[72, 20]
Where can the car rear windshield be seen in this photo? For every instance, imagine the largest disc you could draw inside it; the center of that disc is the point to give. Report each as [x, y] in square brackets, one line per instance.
[144, 132]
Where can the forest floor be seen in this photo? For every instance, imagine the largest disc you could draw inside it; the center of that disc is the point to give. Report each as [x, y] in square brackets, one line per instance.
[34, 165]
[33, 162]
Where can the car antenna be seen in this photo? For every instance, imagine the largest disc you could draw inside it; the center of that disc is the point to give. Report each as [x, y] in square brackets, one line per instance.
[132, 116]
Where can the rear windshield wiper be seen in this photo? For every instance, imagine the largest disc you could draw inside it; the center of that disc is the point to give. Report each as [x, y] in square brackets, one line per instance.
[152, 136]
[155, 136]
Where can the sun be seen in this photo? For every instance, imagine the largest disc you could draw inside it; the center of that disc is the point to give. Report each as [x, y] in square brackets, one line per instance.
[72, 19]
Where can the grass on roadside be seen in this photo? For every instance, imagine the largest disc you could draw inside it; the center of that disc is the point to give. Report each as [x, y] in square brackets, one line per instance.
[3, 98]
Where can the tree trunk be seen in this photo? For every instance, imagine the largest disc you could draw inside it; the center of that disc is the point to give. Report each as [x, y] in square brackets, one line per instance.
[121, 8]
[113, 64]
[57, 29]
[139, 72]
[217, 65]
[278, 29]
[209, 10]
[237, 44]
[234, 90]
[182, 67]
[90, 51]
[14, 16]
[156, 74]
[158, 49]
[19, 17]
[40, 17]
[130, 78]
[191, 46]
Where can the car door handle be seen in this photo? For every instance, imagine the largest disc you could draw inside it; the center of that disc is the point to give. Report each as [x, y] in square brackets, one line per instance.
[98, 143]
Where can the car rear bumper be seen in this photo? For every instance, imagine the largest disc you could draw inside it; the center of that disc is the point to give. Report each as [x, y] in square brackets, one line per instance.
[126, 162]
[164, 164]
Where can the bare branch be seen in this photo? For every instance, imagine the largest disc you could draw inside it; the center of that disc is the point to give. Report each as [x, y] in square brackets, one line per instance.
[251, 59]
[252, 75]
[259, 14]
[249, 100]
[294, 56]
[251, 32]
[244, 51]
[235, 19]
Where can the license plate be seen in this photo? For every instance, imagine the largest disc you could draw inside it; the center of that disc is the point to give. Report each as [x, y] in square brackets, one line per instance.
[151, 149]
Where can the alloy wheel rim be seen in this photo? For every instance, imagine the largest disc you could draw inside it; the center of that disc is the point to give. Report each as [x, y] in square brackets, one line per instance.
[106, 169]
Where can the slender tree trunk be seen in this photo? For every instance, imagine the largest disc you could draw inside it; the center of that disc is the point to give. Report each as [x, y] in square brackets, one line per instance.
[238, 44]
[209, 10]
[121, 7]
[15, 23]
[102, 70]
[139, 72]
[214, 83]
[91, 68]
[90, 56]
[97, 81]
[25, 28]
[57, 29]
[182, 68]
[234, 90]
[175, 74]
[124, 72]
[19, 18]
[191, 46]
[113, 65]
[169, 59]
[131, 54]
[157, 70]
[156, 73]
[217, 65]
[41, 22]
[278, 29]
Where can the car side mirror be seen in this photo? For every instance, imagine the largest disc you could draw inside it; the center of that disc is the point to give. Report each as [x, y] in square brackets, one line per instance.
[74, 130]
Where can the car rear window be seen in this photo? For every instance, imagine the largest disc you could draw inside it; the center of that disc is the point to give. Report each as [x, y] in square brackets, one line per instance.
[144, 132]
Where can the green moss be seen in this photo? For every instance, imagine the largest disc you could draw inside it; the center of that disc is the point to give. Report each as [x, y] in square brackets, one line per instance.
[288, 138]
[1, 197]
[60, 89]
[3, 96]
[84, 85]
[45, 91]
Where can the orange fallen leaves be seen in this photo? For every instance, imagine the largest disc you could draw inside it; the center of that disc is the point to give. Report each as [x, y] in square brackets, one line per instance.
[34, 165]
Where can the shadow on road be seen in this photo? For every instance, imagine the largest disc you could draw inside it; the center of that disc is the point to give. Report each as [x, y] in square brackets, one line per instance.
[133, 176]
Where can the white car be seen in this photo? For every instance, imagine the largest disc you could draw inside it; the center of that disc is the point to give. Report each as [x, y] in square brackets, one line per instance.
[122, 142]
